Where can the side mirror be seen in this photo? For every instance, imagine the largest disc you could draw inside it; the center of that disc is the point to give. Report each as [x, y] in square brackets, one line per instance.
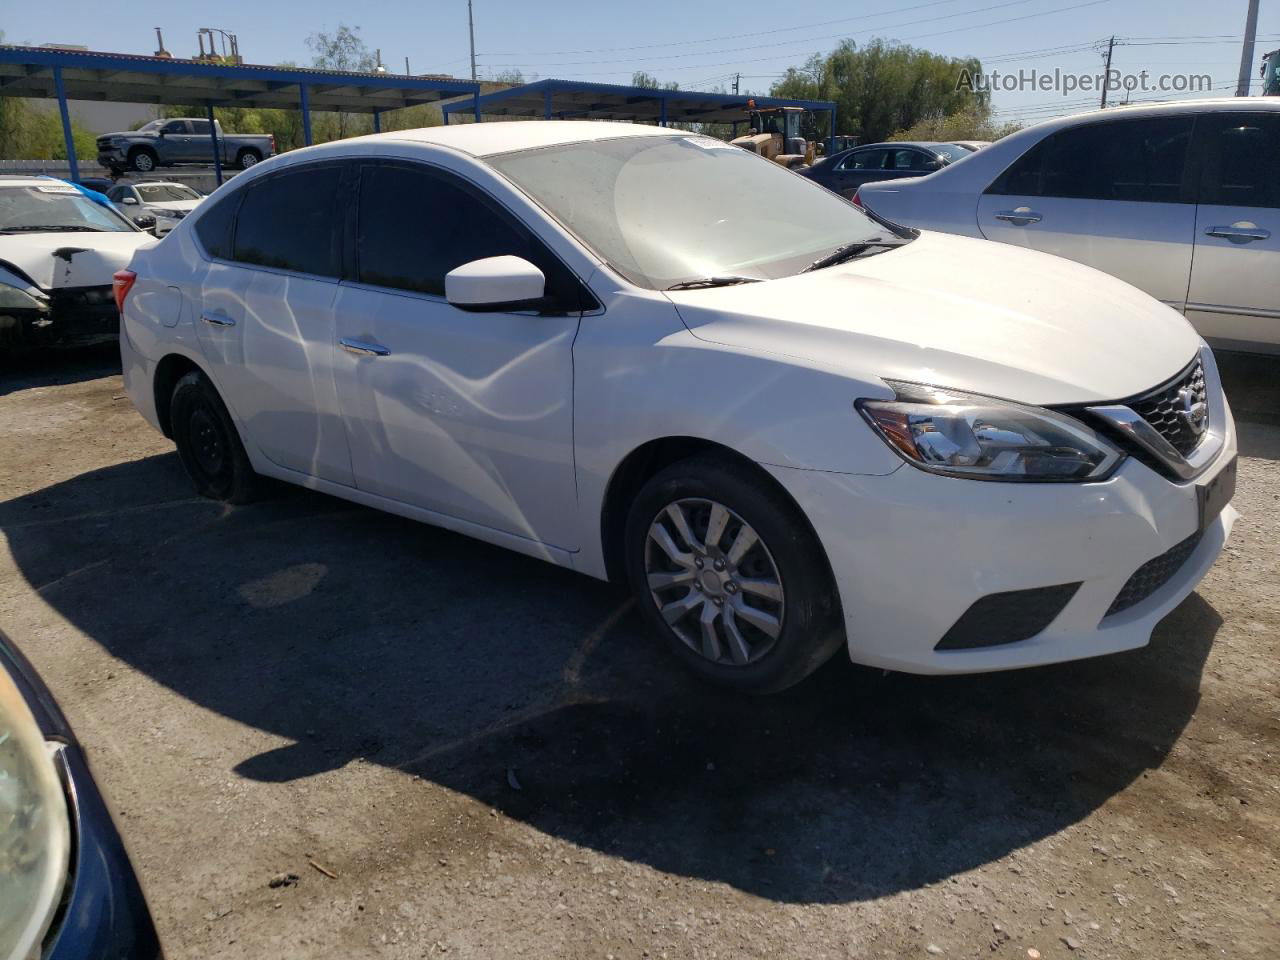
[128, 199]
[496, 284]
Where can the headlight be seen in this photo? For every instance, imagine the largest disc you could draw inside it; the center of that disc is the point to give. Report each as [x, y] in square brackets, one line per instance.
[162, 212]
[982, 438]
[12, 298]
[35, 829]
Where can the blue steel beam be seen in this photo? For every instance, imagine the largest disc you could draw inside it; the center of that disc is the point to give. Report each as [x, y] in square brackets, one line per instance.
[304, 99]
[66, 123]
[217, 147]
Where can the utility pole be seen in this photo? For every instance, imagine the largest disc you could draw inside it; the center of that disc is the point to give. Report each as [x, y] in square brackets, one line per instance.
[471, 29]
[406, 67]
[1246, 52]
[1106, 73]
[736, 78]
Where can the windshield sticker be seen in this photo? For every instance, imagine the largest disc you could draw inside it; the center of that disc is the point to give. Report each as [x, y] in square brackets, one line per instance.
[707, 143]
[57, 188]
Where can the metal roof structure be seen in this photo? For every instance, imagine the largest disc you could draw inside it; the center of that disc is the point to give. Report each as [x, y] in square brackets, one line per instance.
[91, 75]
[578, 100]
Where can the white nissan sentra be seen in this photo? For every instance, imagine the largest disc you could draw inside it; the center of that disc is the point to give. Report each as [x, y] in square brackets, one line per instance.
[649, 356]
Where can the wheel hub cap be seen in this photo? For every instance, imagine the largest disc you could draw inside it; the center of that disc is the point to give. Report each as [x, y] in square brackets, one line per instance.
[714, 581]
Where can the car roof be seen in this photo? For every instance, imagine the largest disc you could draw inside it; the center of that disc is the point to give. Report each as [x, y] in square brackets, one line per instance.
[487, 139]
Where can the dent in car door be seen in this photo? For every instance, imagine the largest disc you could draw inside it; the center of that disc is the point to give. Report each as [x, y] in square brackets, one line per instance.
[266, 321]
[1116, 195]
[466, 414]
[1235, 278]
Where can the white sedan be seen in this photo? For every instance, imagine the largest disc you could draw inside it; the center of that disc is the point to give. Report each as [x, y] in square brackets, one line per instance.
[166, 201]
[647, 355]
[1180, 199]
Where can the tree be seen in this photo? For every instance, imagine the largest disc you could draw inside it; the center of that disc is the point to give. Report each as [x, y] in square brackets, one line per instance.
[883, 87]
[340, 51]
[650, 82]
[965, 125]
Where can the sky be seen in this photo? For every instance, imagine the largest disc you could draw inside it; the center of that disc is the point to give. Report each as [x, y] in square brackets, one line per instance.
[700, 45]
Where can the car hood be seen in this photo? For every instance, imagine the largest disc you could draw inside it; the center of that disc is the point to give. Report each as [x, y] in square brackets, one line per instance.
[961, 313]
[173, 205]
[56, 260]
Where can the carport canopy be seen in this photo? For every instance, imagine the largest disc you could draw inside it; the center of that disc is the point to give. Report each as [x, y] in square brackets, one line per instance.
[573, 99]
[118, 77]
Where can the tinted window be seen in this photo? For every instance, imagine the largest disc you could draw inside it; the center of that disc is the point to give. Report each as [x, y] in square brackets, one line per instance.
[117, 193]
[414, 226]
[910, 160]
[175, 126]
[200, 126]
[1242, 160]
[1140, 160]
[291, 221]
[865, 160]
[214, 226]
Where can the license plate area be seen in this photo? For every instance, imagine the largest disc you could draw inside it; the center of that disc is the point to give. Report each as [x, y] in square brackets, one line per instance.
[1213, 495]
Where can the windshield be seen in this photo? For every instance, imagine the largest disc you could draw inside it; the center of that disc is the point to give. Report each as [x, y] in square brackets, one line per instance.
[54, 207]
[668, 210]
[151, 127]
[165, 192]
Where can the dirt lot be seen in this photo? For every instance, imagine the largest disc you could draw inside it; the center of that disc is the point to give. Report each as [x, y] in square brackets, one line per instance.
[303, 680]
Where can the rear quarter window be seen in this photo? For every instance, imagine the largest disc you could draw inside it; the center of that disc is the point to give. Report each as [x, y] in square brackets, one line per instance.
[215, 223]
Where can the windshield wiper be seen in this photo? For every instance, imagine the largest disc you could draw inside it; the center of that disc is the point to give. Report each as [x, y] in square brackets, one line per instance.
[712, 282]
[57, 228]
[851, 251]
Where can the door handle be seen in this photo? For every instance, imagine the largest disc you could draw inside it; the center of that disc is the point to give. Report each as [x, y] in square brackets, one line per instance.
[1020, 217]
[217, 318]
[363, 348]
[1242, 234]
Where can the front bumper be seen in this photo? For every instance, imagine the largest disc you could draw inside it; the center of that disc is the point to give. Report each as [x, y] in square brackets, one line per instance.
[912, 552]
[76, 316]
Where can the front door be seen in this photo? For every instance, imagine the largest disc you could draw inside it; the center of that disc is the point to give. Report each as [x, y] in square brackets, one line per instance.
[1118, 195]
[462, 413]
[1235, 281]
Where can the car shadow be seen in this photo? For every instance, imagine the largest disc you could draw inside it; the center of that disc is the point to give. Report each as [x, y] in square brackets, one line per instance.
[355, 634]
[22, 369]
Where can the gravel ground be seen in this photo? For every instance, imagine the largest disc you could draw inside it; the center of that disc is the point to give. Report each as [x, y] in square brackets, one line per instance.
[489, 757]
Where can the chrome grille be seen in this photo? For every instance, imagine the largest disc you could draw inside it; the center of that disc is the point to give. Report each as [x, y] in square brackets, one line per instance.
[1169, 409]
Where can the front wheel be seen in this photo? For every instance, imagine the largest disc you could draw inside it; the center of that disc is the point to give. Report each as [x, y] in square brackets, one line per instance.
[208, 443]
[729, 572]
[144, 161]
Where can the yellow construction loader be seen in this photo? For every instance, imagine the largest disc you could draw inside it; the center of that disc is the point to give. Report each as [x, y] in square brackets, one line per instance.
[775, 135]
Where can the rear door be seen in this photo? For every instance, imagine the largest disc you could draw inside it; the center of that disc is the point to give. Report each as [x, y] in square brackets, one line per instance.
[266, 320]
[1235, 278]
[1118, 195]
[200, 146]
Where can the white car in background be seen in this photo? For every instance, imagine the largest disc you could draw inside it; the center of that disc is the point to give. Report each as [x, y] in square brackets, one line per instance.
[58, 251]
[786, 425]
[168, 202]
[1180, 199]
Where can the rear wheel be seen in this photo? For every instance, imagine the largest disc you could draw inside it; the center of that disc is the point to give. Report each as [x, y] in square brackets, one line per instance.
[729, 572]
[208, 443]
[247, 158]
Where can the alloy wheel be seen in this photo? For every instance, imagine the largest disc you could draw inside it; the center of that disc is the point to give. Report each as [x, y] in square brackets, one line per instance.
[714, 581]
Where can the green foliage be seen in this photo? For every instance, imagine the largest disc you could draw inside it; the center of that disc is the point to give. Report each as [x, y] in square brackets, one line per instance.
[650, 82]
[971, 124]
[881, 88]
[28, 132]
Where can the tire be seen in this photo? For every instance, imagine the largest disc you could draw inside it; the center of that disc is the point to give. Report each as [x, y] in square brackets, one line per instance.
[208, 443]
[791, 583]
[143, 160]
[247, 158]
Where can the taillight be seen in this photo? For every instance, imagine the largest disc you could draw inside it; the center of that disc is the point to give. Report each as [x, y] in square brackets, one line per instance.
[273, 143]
[857, 200]
[121, 284]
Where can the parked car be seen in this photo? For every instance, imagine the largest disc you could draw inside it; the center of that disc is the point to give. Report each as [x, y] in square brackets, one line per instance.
[845, 172]
[1180, 199]
[67, 889]
[789, 426]
[58, 250]
[178, 140]
[164, 201]
[101, 184]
